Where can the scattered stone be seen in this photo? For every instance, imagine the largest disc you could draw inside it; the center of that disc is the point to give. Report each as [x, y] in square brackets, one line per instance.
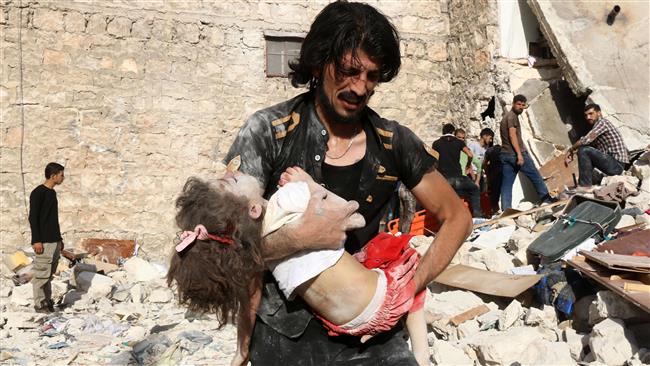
[495, 260]
[23, 295]
[160, 296]
[608, 304]
[525, 206]
[96, 285]
[510, 315]
[140, 270]
[545, 318]
[576, 343]
[445, 353]
[611, 343]
[626, 220]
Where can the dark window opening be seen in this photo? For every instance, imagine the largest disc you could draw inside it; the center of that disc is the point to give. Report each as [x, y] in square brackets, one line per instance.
[489, 111]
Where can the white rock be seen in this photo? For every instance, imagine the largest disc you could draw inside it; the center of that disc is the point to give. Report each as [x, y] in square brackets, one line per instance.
[643, 219]
[576, 342]
[626, 220]
[526, 221]
[138, 293]
[97, 286]
[642, 201]
[510, 315]
[21, 319]
[5, 291]
[545, 318]
[608, 304]
[140, 270]
[489, 319]
[444, 353]
[611, 343]
[468, 328]
[494, 238]
[160, 295]
[495, 260]
[613, 179]
[519, 243]
[525, 206]
[23, 295]
[642, 172]
[451, 303]
[135, 333]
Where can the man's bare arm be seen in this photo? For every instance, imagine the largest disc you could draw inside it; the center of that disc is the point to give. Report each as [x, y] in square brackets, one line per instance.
[435, 194]
[322, 226]
[512, 132]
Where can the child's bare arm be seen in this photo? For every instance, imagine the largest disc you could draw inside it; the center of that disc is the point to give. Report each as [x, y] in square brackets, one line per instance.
[245, 325]
[417, 328]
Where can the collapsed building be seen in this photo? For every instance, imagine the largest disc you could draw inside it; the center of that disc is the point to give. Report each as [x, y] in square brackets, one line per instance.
[134, 98]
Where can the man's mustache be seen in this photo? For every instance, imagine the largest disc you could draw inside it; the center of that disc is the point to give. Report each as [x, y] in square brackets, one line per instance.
[352, 97]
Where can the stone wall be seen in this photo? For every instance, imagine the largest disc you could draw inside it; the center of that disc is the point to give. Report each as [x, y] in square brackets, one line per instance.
[134, 97]
[472, 45]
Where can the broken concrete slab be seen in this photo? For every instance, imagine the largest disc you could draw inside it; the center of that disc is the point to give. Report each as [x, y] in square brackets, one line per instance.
[494, 238]
[160, 295]
[607, 304]
[581, 47]
[511, 315]
[611, 343]
[494, 260]
[545, 318]
[23, 295]
[140, 270]
[445, 353]
[576, 342]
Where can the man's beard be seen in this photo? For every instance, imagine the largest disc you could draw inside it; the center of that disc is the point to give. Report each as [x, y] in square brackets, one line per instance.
[331, 114]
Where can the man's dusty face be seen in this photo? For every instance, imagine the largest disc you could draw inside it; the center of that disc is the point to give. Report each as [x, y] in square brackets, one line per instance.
[592, 115]
[460, 136]
[343, 96]
[518, 107]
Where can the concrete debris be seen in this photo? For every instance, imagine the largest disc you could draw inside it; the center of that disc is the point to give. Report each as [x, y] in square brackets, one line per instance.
[160, 295]
[494, 238]
[445, 353]
[607, 304]
[23, 295]
[544, 318]
[511, 315]
[626, 220]
[628, 180]
[495, 260]
[140, 270]
[576, 342]
[518, 245]
[611, 343]
[642, 200]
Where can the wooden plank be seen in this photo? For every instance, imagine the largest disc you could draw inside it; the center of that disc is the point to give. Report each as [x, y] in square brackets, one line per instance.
[619, 261]
[601, 275]
[557, 175]
[527, 212]
[486, 282]
[629, 286]
[469, 314]
[109, 250]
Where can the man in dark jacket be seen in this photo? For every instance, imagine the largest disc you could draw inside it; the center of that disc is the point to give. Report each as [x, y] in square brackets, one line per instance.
[46, 236]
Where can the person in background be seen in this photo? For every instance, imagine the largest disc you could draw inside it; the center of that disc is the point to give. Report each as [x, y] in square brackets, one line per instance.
[603, 148]
[514, 156]
[449, 148]
[46, 236]
[478, 148]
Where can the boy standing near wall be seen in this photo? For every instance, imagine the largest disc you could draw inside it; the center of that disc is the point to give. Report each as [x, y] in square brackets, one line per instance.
[46, 236]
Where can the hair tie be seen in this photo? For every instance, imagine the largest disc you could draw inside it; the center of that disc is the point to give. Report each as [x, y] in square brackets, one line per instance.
[201, 233]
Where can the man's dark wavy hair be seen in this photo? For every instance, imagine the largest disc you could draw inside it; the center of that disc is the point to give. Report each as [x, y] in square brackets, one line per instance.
[343, 27]
[211, 276]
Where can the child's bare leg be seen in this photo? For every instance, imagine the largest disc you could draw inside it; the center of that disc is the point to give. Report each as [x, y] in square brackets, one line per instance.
[245, 325]
[417, 328]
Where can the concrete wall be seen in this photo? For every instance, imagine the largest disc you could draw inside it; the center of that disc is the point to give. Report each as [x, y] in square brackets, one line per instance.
[518, 26]
[134, 97]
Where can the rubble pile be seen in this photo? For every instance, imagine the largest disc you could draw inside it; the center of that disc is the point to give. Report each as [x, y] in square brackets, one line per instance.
[531, 313]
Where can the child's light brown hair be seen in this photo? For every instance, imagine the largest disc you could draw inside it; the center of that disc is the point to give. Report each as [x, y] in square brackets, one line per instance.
[211, 276]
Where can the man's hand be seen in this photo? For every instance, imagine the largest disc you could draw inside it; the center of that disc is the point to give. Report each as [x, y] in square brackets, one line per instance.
[325, 221]
[520, 159]
[38, 248]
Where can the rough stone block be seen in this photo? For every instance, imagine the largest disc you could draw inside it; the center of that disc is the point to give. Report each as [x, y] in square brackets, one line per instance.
[608, 304]
[140, 270]
[23, 295]
[74, 22]
[160, 295]
[97, 286]
[52, 57]
[119, 27]
[96, 24]
[611, 343]
[163, 30]
[495, 260]
[51, 20]
[576, 343]
[626, 220]
[445, 353]
[141, 28]
[510, 315]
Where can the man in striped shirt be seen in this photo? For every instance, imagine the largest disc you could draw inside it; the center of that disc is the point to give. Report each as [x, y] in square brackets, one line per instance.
[603, 148]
